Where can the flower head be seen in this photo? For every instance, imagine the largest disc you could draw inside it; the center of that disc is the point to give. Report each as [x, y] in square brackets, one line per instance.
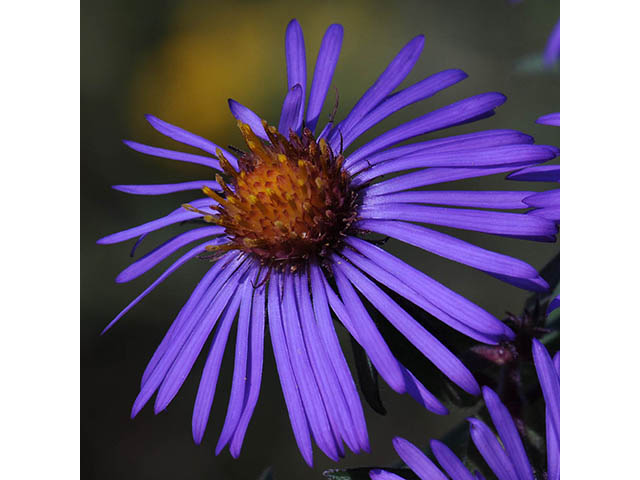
[505, 455]
[286, 224]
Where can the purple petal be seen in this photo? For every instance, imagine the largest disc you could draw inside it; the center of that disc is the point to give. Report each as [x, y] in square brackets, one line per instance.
[323, 72]
[355, 318]
[417, 461]
[166, 188]
[383, 475]
[451, 308]
[426, 343]
[330, 390]
[177, 216]
[548, 213]
[173, 155]
[194, 321]
[552, 119]
[458, 198]
[393, 76]
[492, 452]
[211, 371]
[537, 284]
[291, 109]
[188, 138]
[336, 357]
[247, 116]
[185, 312]
[420, 394]
[550, 384]
[325, 131]
[452, 248]
[485, 157]
[430, 176]
[540, 173]
[174, 266]
[154, 257]
[436, 120]
[305, 375]
[240, 375]
[467, 141]
[450, 462]
[508, 434]
[415, 93]
[550, 198]
[552, 49]
[288, 382]
[184, 361]
[295, 55]
[553, 449]
[254, 371]
[500, 223]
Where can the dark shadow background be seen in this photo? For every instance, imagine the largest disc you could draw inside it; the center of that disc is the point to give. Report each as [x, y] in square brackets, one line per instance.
[181, 61]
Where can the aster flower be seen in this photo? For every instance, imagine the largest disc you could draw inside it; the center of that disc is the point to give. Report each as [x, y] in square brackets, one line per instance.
[545, 204]
[506, 458]
[286, 225]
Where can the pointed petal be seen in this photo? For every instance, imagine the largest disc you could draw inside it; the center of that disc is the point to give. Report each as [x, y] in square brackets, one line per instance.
[426, 343]
[254, 369]
[417, 461]
[306, 379]
[355, 318]
[158, 254]
[211, 371]
[162, 189]
[291, 108]
[332, 345]
[492, 452]
[330, 389]
[450, 462]
[486, 157]
[173, 155]
[240, 372]
[438, 119]
[508, 434]
[393, 76]
[183, 362]
[450, 307]
[323, 72]
[423, 89]
[172, 268]
[467, 141]
[188, 138]
[504, 200]
[288, 382]
[247, 116]
[499, 223]
[450, 247]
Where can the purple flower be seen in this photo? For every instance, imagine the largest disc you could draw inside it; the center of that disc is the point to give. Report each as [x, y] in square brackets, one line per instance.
[506, 458]
[286, 225]
[545, 204]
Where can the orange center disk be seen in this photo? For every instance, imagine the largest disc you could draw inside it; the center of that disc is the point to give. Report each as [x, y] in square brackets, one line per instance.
[290, 201]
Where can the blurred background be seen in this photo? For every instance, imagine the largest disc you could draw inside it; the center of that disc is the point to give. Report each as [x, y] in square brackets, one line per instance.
[181, 61]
